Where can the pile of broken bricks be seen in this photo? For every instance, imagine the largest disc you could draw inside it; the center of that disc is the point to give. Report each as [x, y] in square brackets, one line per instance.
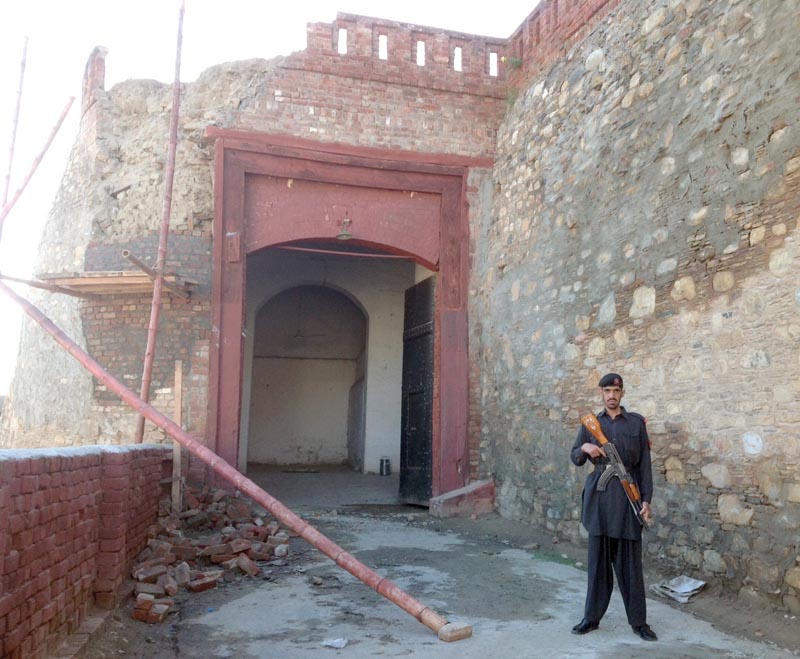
[217, 534]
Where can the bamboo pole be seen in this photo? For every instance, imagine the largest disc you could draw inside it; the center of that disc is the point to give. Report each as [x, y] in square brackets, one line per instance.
[446, 631]
[16, 122]
[10, 204]
[177, 454]
[169, 176]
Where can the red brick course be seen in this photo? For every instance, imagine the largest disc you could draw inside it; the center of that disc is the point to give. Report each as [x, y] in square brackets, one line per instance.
[63, 545]
[548, 34]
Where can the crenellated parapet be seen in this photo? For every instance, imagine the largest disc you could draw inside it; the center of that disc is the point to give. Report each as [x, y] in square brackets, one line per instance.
[402, 53]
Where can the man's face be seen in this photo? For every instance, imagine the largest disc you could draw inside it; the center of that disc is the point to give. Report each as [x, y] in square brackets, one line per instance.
[612, 397]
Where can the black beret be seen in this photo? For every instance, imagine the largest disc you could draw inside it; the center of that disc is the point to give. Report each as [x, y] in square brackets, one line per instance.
[611, 380]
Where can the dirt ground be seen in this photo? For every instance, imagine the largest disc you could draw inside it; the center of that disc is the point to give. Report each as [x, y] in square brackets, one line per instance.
[121, 636]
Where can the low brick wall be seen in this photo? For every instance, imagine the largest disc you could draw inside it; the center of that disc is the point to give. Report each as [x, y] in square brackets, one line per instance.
[71, 521]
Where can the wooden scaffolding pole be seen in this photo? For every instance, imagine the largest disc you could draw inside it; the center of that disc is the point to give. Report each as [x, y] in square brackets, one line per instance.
[10, 204]
[158, 284]
[177, 453]
[16, 122]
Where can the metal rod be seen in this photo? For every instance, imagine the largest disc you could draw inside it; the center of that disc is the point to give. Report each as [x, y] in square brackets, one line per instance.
[169, 177]
[126, 253]
[177, 450]
[342, 253]
[16, 122]
[50, 287]
[10, 204]
[287, 517]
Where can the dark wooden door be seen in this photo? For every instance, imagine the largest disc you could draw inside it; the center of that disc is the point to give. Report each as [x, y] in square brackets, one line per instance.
[416, 440]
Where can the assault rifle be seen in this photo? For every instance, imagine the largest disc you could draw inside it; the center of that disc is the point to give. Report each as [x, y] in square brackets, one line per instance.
[615, 468]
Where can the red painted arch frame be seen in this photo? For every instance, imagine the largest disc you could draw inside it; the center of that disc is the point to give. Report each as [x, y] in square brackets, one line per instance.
[242, 157]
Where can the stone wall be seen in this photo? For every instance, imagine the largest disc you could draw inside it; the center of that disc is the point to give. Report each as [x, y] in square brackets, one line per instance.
[71, 523]
[645, 220]
[642, 216]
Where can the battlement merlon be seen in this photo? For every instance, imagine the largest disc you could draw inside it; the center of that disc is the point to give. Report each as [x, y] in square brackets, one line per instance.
[453, 61]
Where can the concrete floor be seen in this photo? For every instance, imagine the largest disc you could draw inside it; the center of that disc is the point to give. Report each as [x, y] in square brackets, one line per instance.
[521, 597]
[305, 488]
[520, 602]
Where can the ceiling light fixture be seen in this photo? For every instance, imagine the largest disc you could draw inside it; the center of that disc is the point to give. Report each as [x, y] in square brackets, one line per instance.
[345, 234]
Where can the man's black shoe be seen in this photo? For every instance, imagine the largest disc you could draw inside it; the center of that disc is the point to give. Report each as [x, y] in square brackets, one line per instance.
[645, 633]
[585, 626]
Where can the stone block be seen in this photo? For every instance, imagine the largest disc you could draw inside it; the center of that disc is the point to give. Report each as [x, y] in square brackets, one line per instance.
[198, 520]
[792, 577]
[160, 547]
[274, 541]
[718, 474]
[184, 553]
[157, 614]
[259, 556]
[239, 545]
[474, 499]
[169, 584]
[150, 574]
[151, 588]
[144, 601]
[732, 511]
[199, 585]
[247, 566]
[182, 574]
[455, 631]
[140, 614]
[215, 550]
[754, 599]
[792, 602]
[205, 581]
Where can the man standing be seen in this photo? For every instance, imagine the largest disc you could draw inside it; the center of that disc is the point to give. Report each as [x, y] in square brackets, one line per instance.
[615, 534]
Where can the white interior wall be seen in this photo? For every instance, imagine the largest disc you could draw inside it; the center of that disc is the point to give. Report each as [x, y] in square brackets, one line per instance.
[377, 286]
[307, 345]
[299, 411]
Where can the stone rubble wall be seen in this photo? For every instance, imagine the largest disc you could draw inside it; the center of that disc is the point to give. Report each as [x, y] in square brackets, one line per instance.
[645, 221]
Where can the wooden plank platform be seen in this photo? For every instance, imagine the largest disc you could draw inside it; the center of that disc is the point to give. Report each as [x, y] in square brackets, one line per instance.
[117, 282]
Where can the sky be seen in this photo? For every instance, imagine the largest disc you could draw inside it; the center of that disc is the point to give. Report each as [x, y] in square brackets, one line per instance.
[141, 38]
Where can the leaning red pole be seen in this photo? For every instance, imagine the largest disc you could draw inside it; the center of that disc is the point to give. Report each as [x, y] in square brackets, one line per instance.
[381, 585]
[161, 259]
[10, 204]
[16, 122]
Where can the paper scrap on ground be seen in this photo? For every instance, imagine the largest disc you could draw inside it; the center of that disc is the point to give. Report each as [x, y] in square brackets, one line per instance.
[337, 643]
[681, 589]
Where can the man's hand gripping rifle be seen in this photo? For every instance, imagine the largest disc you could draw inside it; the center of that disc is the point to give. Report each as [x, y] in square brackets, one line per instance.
[615, 468]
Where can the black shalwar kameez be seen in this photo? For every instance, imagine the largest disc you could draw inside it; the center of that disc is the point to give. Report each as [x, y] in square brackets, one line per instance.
[615, 535]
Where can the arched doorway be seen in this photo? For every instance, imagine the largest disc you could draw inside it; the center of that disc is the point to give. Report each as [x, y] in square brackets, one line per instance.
[297, 292]
[308, 370]
[274, 191]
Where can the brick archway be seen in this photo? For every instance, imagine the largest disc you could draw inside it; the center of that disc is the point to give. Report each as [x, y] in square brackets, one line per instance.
[271, 190]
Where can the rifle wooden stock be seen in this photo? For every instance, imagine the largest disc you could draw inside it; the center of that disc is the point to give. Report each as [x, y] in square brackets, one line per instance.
[591, 424]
